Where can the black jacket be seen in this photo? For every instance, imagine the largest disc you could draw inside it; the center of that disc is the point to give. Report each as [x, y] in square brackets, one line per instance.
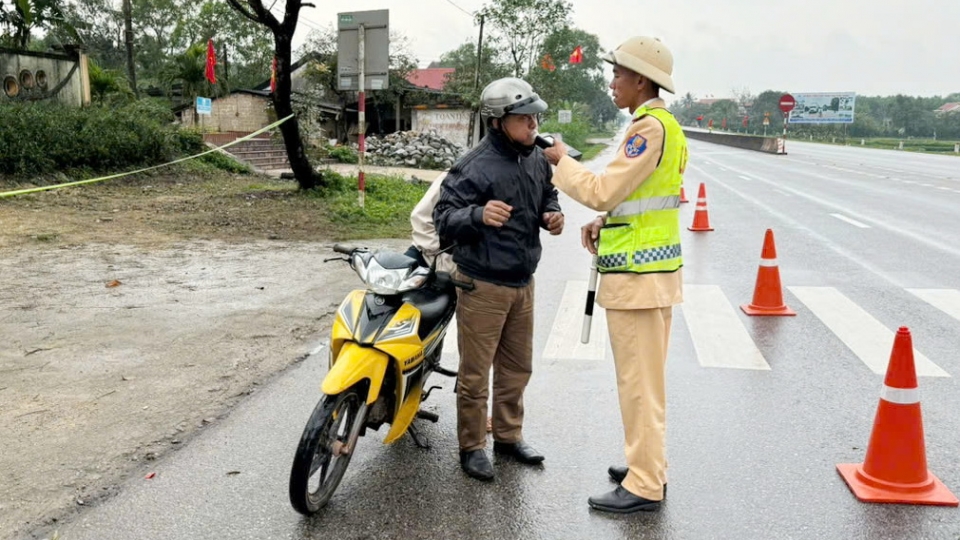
[496, 170]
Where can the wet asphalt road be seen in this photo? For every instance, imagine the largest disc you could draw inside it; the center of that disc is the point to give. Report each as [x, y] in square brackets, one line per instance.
[752, 452]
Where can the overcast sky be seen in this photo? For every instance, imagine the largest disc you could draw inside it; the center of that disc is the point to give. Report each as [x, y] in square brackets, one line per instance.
[883, 47]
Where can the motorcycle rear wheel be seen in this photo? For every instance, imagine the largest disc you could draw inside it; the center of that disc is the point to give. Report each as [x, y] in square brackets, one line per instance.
[328, 442]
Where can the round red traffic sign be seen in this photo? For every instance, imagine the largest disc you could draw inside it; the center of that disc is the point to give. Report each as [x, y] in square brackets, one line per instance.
[787, 103]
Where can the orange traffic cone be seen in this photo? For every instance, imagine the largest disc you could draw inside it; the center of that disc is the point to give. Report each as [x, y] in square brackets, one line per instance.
[767, 294]
[701, 221]
[683, 195]
[895, 469]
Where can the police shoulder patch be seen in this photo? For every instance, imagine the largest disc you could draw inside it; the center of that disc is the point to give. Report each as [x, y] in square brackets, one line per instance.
[635, 146]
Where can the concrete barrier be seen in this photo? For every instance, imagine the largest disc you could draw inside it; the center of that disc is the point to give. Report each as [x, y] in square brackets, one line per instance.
[769, 145]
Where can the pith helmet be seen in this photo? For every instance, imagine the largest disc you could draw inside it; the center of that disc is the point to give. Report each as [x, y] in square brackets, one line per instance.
[510, 96]
[647, 56]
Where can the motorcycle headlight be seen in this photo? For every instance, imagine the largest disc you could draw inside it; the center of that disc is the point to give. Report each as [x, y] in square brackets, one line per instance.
[415, 281]
[387, 281]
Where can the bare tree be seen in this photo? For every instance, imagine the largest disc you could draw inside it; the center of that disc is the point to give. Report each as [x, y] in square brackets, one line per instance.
[523, 25]
[283, 41]
[743, 97]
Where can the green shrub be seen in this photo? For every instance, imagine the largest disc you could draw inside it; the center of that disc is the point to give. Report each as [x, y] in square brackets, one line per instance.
[190, 141]
[47, 138]
[574, 133]
[225, 163]
[387, 205]
[344, 154]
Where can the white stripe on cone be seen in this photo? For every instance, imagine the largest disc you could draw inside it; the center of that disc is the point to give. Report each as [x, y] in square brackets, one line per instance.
[900, 396]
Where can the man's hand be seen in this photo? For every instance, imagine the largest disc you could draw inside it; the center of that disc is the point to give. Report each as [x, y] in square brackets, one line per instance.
[589, 234]
[554, 222]
[496, 213]
[555, 152]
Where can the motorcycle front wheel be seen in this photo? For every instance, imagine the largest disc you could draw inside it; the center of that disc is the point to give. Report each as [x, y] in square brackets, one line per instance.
[328, 442]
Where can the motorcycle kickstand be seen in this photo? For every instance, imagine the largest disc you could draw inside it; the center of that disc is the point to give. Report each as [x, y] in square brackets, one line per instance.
[418, 438]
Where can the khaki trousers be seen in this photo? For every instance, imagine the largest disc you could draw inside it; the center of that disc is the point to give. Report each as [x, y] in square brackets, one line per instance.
[495, 327]
[640, 338]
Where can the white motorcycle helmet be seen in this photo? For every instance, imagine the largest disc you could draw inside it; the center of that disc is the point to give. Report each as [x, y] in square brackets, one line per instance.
[509, 95]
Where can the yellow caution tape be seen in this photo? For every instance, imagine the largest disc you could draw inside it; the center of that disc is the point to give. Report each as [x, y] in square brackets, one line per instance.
[111, 177]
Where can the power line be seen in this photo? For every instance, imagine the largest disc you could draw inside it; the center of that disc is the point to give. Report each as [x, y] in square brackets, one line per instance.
[460, 8]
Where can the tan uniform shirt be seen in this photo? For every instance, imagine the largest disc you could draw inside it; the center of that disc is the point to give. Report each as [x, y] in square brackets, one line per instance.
[607, 190]
[424, 233]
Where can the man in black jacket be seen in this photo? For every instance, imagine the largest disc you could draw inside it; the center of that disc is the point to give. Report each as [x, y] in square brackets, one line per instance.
[492, 205]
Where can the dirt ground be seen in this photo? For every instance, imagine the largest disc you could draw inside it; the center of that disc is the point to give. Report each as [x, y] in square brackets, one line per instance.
[136, 312]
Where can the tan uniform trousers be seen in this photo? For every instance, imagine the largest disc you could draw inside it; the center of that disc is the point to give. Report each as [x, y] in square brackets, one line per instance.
[639, 338]
[495, 327]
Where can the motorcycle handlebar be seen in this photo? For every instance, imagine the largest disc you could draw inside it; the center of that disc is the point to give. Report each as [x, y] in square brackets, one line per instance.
[343, 249]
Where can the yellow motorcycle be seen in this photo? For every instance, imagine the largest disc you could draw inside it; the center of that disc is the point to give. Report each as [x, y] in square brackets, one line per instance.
[385, 343]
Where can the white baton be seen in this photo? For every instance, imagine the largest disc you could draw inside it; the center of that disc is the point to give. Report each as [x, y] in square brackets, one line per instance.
[588, 309]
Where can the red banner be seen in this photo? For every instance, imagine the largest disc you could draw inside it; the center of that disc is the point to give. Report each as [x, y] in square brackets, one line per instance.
[547, 63]
[211, 71]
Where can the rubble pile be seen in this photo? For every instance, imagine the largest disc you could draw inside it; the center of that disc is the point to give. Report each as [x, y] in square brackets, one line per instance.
[413, 149]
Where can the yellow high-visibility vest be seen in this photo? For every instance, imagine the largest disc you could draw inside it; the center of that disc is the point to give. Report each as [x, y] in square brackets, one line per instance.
[642, 234]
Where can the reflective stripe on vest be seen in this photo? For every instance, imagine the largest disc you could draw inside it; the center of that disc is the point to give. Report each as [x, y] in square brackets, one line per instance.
[640, 206]
[642, 234]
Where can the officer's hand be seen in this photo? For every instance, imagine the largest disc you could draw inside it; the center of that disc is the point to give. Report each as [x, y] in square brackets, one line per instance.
[589, 234]
[554, 222]
[496, 213]
[555, 152]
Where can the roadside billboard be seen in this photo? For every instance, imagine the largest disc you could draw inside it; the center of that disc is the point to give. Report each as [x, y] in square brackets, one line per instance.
[824, 108]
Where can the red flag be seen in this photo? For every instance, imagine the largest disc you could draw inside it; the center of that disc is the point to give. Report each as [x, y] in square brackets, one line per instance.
[273, 75]
[547, 63]
[211, 63]
[576, 56]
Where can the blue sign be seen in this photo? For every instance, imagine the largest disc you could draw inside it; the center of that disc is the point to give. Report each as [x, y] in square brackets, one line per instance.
[824, 108]
[204, 105]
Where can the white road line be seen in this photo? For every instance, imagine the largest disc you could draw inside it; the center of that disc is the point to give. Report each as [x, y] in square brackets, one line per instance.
[822, 240]
[946, 300]
[853, 222]
[891, 226]
[945, 188]
[718, 335]
[564, 339]
[746, 178]
[867, 337]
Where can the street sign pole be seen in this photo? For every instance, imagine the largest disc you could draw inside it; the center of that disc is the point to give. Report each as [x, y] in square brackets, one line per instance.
[370, 44]
[362, 119]
[787, 103]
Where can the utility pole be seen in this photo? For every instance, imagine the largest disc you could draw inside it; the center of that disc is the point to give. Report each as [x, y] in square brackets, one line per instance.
[226, 67]
[128, 37]
[476, 85]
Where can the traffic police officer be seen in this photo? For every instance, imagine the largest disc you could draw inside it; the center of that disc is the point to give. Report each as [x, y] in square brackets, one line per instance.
[639, 256]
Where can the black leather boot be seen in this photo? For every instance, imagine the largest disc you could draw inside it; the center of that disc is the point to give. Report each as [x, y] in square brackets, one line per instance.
[521, 451]
[476, 464]
[618, 473]
[621, 501]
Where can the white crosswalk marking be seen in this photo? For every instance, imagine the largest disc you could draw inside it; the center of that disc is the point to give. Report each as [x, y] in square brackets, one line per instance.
[564, 339]
[867, 337]
[718, 334]
[946, 300]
